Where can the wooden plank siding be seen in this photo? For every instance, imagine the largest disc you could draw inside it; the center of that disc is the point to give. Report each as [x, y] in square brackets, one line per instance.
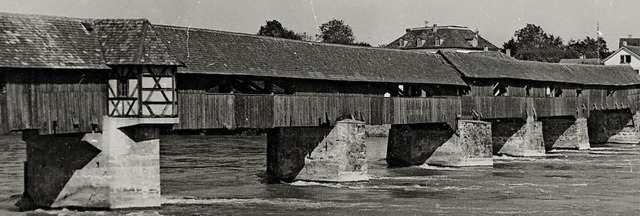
[61, 101]
[205, 111]
[559, 106]
[494, 107]
[425, 110]
[4, 127]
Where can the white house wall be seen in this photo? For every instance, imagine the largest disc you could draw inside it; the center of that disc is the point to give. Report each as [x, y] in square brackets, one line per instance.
[615, 60]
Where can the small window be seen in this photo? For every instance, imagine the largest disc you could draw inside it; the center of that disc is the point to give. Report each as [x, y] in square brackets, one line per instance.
[420, 42]
[610, 92]
[500, 90]
[401, 42]
[578, 92]
[527, 91]
[638, 72]
[624, 43]
[553, 91]
[438, 42]
[123, 87]
[474, 42]
[557, 92]
[625, 59]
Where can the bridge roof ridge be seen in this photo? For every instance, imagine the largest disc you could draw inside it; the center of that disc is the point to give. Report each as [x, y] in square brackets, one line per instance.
[475, 66]
[229, 53]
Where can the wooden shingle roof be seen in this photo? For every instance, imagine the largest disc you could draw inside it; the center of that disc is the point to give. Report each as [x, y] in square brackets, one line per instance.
[29, 41]
[215, 52]
[475, 66]
[35, 41]
[132, 42]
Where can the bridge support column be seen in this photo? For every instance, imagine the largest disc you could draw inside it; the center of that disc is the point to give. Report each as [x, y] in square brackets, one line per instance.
[515, 137]
[565, 133]
[437, 144]
[318, 154]
[116, 169]
[614, 126]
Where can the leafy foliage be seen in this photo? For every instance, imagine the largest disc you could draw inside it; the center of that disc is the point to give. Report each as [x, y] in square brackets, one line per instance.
[589, 47]
[532, 43]
[275, 29]
[335, 31]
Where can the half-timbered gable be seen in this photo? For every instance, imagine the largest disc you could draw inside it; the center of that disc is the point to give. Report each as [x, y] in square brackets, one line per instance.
[64, 74]
[141, 83]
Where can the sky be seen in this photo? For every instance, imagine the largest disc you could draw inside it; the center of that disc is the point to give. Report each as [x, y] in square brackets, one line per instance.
[373, 21]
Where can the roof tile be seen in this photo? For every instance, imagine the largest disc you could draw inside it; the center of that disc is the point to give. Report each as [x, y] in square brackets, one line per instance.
[216, 52]
[476, 66]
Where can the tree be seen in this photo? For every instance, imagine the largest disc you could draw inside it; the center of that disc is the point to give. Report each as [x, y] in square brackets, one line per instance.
[274, 29]
[335, 31]
[588, 47]
[532, 43]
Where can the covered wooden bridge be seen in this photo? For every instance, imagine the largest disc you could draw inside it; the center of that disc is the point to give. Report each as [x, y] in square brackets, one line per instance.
[90, 97]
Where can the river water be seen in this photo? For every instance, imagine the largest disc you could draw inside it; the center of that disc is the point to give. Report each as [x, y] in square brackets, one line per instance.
[220, 175]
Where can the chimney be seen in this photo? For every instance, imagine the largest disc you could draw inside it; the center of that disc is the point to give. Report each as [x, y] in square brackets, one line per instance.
[630, 36]
[508, 52]
[435, 28]
[408, 30]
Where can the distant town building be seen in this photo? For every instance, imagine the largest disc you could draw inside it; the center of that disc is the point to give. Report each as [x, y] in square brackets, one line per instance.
[447, 38]
[629, 42]
[625, 55]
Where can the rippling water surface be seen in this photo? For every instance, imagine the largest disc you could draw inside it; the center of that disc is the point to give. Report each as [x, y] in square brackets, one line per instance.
[213, 175]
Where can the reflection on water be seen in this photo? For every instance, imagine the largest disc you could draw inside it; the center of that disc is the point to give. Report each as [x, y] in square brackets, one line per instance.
[221, 175]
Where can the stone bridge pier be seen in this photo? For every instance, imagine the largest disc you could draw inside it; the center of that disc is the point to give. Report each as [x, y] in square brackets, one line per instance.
[517, 137]
[322, 154]
[614, 126]
[118, 168]
[437, 144]
[565, 132]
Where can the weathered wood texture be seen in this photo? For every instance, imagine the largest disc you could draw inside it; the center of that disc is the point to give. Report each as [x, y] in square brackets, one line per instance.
[203, 111]
[424, 110]
[61, 101]
[560, 106]
[4, 127]
[494, 107]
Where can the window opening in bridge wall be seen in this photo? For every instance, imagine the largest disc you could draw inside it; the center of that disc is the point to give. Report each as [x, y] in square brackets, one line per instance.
[3, 84]
[557, 92]
[553, 91]
[611, 92]
[500, 90]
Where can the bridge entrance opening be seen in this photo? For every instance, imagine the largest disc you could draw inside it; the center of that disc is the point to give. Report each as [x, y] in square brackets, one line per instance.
[500, 90]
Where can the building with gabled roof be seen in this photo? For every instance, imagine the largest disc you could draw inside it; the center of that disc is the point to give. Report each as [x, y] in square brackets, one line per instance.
[630, 41]
[625, 55]
[433, 38]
